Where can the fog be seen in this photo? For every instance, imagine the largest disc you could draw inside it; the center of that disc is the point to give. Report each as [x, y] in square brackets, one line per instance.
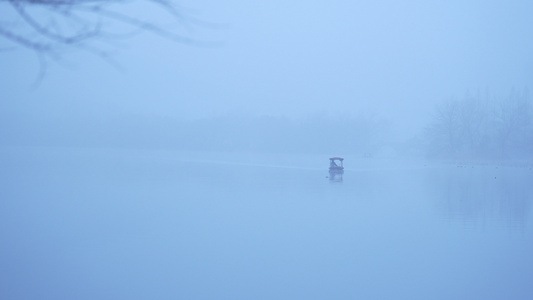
[200, 170]
[393, 60]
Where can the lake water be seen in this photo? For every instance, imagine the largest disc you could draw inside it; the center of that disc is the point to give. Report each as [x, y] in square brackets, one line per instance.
[117, 224]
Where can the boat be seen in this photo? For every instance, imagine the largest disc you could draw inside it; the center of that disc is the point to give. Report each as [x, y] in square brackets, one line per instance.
[334, 167]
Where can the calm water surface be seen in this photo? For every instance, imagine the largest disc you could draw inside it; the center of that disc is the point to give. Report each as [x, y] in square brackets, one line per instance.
[102, 224]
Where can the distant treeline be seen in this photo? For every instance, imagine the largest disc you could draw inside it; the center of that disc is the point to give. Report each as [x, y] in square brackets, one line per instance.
[317, 134]
[480, 127]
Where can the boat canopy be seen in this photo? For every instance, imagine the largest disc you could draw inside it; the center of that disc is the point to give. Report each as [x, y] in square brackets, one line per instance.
[337, 158]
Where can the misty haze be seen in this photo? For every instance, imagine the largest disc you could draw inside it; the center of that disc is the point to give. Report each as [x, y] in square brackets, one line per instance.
[280, 151]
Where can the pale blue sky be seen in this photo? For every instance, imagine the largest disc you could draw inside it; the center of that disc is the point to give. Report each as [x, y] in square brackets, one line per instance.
[389, 58]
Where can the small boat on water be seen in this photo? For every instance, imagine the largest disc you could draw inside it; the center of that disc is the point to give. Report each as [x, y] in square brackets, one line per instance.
[333, 166]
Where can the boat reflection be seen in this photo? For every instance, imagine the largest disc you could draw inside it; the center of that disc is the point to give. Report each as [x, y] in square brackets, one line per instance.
[335, 175]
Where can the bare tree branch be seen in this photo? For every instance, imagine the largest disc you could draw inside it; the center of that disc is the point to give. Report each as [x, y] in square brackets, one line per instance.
[49, 27]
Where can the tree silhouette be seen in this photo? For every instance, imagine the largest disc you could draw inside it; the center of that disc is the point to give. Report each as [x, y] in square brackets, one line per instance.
[474, 128]
[51, 27]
